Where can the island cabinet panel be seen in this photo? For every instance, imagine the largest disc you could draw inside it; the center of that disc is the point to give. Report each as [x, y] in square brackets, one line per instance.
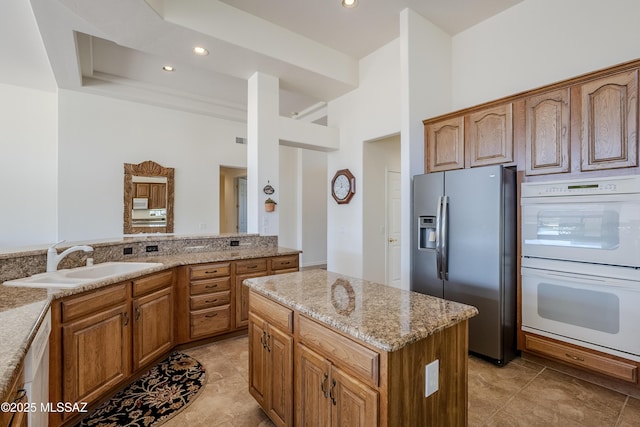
[610, 122]
[490, 135]
[271, 362]
[444, 145]
[15, 394]
[547, 138]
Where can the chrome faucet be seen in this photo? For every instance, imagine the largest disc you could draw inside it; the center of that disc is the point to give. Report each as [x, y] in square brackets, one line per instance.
[53, 259]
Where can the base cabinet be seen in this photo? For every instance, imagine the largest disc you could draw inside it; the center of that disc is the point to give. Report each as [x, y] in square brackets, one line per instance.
[328, 396]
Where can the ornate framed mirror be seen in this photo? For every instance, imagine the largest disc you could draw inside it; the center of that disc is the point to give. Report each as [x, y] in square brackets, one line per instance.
[148, 198]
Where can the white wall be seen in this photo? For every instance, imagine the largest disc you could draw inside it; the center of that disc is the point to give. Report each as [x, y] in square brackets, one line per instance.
[288, 199]
[369, 112]
[538, 42]
[97, 135]
[313, 190]
[28, 167]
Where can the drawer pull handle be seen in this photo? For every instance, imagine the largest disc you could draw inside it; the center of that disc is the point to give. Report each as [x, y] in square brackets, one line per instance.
[263, 339]
[286, 263]
[331, 394]
[211, 315]
[126, 318]
[210, 300]
[576, 358]
[211, 286]
[137, 313]
[253, 266]
[323, 386]
[211, 271]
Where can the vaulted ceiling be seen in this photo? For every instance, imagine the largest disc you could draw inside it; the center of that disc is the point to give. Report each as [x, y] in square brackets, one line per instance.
[118, 47]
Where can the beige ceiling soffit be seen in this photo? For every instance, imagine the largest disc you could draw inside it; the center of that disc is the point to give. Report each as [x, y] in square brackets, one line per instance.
[131, 90]
[239, 28]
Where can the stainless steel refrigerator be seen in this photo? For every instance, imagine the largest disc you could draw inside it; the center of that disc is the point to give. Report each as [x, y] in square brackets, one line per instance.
[464, 249]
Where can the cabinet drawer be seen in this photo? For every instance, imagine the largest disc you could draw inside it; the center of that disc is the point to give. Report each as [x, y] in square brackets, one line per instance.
[595, 362]
[278, 315]
[340, 350]
[152, 283]
[215, 299]
[210, 321]
[92, 302]
[284, 262]
[251, 266]
[208, 286]
[209, 270]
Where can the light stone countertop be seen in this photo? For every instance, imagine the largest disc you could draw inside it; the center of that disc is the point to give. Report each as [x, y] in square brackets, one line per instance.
[382, 316]
[22, 309]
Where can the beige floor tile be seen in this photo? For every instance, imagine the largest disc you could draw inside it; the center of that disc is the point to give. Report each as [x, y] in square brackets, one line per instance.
[557, 399]
[630, 414]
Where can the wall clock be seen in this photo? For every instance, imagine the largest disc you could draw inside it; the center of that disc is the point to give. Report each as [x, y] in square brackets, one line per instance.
[343, 186]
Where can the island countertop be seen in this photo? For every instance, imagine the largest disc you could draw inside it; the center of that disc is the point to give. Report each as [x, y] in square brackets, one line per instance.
[382, 316]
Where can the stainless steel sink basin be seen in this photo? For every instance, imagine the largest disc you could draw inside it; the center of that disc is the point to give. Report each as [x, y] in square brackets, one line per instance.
[72, 278]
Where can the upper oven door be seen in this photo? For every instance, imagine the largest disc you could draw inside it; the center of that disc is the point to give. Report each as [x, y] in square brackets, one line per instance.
[602, 229]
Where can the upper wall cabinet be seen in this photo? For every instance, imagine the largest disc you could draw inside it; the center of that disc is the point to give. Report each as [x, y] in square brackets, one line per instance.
[445, 145]
[491, 135]
[547, 129]
[610, 122]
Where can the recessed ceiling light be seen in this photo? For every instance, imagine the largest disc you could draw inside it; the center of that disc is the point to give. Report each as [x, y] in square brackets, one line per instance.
[200, 51]
[349, 3]
[168, 68]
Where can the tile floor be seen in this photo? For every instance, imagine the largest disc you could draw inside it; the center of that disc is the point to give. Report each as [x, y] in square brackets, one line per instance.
[521, 393]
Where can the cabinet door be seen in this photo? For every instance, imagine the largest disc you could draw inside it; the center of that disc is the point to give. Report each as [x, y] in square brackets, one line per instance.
[158, 197]
[280, 376]
[96, 354]
[491, 136]
[444, 145]
[547, 123]
[242, 298]
[610, 122]
[313, 407]
[152, 326]
[354, 403]
[258, 360]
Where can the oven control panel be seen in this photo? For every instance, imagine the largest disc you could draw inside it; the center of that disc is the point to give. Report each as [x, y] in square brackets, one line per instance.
[606, 185]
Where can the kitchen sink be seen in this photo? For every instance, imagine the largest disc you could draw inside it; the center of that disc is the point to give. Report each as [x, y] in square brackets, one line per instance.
[72, 278]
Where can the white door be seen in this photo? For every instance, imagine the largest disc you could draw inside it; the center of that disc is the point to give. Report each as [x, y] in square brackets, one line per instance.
[393, 229]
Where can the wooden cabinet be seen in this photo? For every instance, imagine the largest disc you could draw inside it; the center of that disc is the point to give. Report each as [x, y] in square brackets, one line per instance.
[209, 296]
[152, 318]
[491, 135]
[271, 359]
[547, 138]
[328, 396]
[156, 193]
[284, 264]
[444, 145]
[100, 338]
[609, 122]
[96, 344]
[246, 270]
[15, 394]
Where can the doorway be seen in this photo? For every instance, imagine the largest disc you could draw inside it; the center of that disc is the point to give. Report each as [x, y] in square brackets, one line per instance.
[381, 207]
[233, 200]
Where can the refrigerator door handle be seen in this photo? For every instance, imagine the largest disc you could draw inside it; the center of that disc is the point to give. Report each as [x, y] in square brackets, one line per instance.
[444, 224]
[439, 238]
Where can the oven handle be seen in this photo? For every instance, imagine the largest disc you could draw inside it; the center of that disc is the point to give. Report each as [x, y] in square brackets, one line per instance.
[581, 279]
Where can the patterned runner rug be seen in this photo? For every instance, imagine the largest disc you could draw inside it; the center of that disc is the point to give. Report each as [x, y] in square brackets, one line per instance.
[154, 398]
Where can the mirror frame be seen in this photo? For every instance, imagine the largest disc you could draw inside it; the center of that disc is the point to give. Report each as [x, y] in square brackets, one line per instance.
[146, 169]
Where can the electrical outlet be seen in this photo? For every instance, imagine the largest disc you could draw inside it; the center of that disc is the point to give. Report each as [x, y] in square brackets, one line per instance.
[234, 243]
[152, 248]
[431, 373]
[127, 251]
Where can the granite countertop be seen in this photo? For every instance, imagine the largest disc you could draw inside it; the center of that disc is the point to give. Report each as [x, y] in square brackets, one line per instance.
[382, 316]
[23, 309]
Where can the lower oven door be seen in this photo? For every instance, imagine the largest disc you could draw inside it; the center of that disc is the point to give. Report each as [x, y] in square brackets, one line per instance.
[600, 312]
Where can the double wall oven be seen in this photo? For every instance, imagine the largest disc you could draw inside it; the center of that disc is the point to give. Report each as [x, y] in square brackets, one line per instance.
[581, 262]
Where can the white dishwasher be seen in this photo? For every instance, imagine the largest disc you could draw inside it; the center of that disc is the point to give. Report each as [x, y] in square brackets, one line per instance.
[36, 373]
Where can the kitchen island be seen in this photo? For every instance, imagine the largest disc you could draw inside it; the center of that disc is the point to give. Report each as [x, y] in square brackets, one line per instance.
[335, 350]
